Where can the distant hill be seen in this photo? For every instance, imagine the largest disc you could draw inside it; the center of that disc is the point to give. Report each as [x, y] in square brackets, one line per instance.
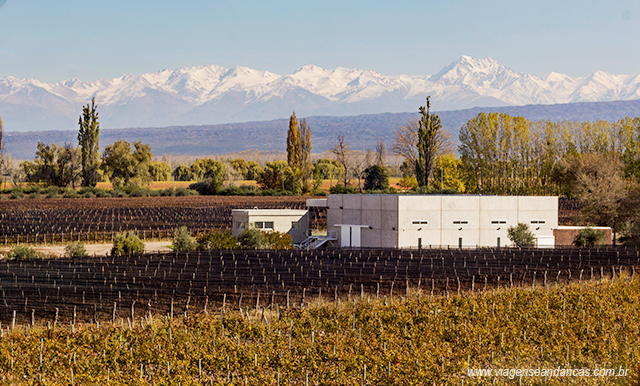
[361, 131]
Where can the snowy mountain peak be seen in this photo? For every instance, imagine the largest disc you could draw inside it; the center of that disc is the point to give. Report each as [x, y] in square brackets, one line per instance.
[473, 72]
[555, 77]
[212, 94]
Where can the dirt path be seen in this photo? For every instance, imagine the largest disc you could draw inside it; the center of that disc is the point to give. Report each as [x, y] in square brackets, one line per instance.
[97, 249]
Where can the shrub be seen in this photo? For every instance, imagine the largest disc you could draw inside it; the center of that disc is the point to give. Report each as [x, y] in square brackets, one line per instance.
[102, 193]
[53, 194]
[35, 195]
[21, 252]
[17, 195]
[248, 187]
[340, 189]
[118, 193]
[279, 240]
[252, 238]
[169, 192]
[429, 190]
[143, 192]
[75, 249]
[319, 192]
[32, 189]
[183, 241]
[71, 193]
[217, 240]
[186, 192]
[50, 190]
[521, 235]
[203, 188]
[588, 237]
[126, 243]
[408, 182]
[88, 194]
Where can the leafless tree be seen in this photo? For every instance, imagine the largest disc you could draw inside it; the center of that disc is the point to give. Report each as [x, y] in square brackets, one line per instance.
[381, 153]
[342, 151]
[406, 141]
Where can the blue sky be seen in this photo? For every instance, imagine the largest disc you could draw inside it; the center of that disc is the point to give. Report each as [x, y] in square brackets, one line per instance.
[58, 40]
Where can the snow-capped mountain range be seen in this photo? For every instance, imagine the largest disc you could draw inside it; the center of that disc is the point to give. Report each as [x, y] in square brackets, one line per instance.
[213, 94]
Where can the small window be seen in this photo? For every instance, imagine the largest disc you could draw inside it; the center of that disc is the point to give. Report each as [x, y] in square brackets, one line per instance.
[537, 221]
[295, 224]
[264, 224]
[460, 222]
[240, 225]
[420, 222]
[498, 221]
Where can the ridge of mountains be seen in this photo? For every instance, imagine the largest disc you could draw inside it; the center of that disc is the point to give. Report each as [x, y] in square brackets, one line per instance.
[360, 131]
[209, 95]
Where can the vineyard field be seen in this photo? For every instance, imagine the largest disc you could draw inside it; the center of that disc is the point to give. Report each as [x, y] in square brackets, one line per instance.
[103, 288]
[409, 339]
[34, 221]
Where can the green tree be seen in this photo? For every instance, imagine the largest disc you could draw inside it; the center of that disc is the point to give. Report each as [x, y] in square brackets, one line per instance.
[294, 153]
[276, 175]
[448, 173]
[376, 178]
[127, 167]
[293, 144]
[326, 169]
[159, 171]
[429, 125]
[521, 235]
[306, 168]
[207, 168]
[53, 165]
[183, 173]
[3, 160]
[89, 145]
[250, 170]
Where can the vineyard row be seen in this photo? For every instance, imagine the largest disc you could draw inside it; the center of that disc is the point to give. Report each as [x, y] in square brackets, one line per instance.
[102, 288]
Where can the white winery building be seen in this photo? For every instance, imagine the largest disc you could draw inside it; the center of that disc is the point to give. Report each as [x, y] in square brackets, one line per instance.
[413, 221]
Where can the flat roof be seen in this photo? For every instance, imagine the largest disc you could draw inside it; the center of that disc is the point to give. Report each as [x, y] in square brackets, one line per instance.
[432, 195]
[267, 211]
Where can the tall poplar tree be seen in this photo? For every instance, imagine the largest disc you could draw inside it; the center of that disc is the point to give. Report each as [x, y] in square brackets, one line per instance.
[306, 168]
[293, 144]
[429, 125]
[2, 158]
[294, 154]
[89, 145]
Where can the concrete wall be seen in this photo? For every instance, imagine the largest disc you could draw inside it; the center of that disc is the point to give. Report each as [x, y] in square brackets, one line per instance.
[440, 220]
[380, 212]
[281, 218]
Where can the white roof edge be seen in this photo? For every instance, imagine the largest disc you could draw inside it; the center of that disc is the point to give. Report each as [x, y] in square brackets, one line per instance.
[569, 227]
[317, 202]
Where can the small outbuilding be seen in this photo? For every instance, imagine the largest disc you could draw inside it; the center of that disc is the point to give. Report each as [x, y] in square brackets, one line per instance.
[295, 222]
